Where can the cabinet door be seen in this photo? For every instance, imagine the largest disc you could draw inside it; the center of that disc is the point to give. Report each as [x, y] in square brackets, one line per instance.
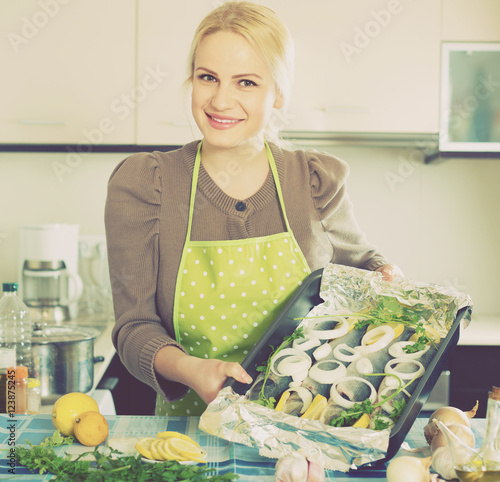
[165, 31]
[466, 21]
[365, 66]
[67, 72]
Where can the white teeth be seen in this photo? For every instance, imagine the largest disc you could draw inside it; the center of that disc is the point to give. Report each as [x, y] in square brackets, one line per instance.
[224, 121]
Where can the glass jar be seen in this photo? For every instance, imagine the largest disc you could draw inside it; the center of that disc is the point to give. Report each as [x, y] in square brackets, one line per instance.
[34, 396]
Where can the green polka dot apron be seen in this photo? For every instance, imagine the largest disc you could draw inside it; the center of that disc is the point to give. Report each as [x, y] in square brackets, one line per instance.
[228, 292]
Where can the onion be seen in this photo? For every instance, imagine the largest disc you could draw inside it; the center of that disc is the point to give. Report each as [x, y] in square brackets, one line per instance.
[447, 415]
[396, 350]
[306, 343]
[408, 469]
[346, 353]
[340, 400]
[290, 361]
[322, 351]
[463, 432]
[376, 339]
[340, 329]
[389, 368]
[322, 372]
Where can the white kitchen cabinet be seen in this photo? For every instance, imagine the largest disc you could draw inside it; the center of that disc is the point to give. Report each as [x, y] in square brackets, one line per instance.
[68, 72]
[467, 21]
[165, 31]
[365, 66]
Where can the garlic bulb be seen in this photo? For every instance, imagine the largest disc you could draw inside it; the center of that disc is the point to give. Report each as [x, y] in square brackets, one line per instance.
[409, 469]
[442, 463]
[463, 432]
[297, 468]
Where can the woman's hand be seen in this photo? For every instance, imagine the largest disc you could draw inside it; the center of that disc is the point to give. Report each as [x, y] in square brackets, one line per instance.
[390, 271]
[205, 376]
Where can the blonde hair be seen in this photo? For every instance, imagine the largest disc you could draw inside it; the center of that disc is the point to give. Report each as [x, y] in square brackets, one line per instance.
[259, 26]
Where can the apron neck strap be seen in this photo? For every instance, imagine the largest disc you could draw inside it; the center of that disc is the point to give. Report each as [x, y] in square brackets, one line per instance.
[194, 185]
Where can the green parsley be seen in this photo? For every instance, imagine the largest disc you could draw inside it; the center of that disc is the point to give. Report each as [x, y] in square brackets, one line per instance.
[266, 367]
[107, 467]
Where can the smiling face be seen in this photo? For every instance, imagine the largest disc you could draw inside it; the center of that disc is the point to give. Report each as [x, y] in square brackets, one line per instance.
[233, 92]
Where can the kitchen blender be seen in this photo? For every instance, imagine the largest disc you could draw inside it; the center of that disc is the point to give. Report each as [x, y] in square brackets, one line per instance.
[48, 264]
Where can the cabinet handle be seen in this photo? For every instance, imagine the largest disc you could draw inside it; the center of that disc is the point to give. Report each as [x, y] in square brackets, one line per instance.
[42, 122]
[348, 108]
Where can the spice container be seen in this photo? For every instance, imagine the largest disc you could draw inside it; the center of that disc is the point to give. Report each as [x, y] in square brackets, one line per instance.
[7, 359]
[17, 390]
[34, 396]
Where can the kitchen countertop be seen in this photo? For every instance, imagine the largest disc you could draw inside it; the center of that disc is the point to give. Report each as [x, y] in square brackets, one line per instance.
[223, 456]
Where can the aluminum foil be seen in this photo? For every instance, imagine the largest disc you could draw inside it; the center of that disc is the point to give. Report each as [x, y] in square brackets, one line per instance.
[232, 417]
[344, 290]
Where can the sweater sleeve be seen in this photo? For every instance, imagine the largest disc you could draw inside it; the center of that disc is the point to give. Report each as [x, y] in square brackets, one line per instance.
[328, 177]
[132, 230]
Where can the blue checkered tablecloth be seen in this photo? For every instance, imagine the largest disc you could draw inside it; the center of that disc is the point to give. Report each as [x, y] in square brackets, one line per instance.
[223, 456]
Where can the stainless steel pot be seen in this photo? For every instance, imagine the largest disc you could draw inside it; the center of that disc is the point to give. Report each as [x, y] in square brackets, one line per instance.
[63, 358]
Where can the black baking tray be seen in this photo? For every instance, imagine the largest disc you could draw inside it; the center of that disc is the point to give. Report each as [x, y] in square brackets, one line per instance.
[300, 304]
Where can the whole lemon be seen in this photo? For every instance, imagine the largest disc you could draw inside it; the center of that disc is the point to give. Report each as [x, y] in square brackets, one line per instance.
[91, 428]
[68, 407]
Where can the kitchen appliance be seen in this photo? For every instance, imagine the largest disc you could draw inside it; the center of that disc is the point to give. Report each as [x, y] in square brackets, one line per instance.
[63, 356]
[48, 265]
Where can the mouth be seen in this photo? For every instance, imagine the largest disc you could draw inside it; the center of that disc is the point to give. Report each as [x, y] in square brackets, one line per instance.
[222, 122]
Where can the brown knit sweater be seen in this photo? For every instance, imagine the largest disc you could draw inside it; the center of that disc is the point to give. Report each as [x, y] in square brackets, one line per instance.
[146, 223]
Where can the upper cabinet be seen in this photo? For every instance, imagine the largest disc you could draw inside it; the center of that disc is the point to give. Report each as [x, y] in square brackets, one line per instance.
[466, 21]
[68, 72]
[365, 66]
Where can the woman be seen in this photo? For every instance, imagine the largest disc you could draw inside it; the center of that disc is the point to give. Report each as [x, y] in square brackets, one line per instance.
[207, 243]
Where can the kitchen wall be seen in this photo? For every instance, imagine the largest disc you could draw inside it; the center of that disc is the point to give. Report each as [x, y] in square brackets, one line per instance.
[440, 222]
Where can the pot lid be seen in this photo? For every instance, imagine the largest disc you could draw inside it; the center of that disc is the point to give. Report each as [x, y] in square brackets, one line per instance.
[63, 334]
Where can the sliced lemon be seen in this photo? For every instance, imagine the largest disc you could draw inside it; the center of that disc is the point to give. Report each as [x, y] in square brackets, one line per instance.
[143, 446]
[170, 434]
[317, 406]
[282, 401]
[155, 452]
[185, 449]
[363, 421]
[163, 449]
[397, 327]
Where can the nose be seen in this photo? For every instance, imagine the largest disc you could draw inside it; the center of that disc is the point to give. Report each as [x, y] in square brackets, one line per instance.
[223, 97]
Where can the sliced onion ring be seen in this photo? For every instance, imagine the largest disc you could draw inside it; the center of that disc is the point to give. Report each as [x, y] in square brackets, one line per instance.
[387, 406]
[389, 368]
[340, 400]
[340, 329]
[387, 336]
[306, 343]
[364, 366]
[321, 375]
[339, 353]
[322, 351]
[290, 361]
[304, 394]
[397, 350]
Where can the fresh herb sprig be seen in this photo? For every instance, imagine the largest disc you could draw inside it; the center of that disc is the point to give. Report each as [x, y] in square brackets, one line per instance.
[107, 467]
[266, 367]
[350, 416]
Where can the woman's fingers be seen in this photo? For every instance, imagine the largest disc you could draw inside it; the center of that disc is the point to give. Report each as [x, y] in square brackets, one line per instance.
[390, 271]
[236, 371]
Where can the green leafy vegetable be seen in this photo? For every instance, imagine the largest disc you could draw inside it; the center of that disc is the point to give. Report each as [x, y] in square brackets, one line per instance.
[266, 367]
[350, 416]
[42, 458]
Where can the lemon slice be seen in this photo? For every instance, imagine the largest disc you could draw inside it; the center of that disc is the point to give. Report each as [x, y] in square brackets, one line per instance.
[143, 446]
[283, 399]
[170, 434]
[156, 452]
[363, 421]
[397, 327]
[165, 452]
[185, 449]
[317, 406]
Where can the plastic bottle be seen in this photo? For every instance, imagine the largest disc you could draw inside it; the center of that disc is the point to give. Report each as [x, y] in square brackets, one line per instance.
[7, 359]
[34, 396]
[15, 326]
[17, 390]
